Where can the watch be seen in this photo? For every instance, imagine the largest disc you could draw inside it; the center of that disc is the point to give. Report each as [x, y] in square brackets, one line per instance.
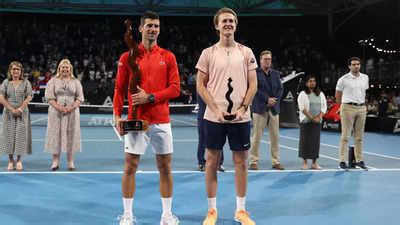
[151, 98]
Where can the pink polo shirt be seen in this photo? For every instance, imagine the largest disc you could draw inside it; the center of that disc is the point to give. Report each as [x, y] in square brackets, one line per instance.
[221, 65]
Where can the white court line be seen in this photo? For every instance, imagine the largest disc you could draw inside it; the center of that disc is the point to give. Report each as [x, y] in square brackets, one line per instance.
[83, 140]
[195, 140]
[296, 150]
[337, 147]
[321, 155]
[184, 122]
[198, 172]
[191, 119]
[40, 119]
[114, 140]
[116, 132]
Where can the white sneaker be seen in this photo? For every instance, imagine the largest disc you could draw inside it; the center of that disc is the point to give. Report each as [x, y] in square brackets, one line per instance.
[127, 220]
[169, 220]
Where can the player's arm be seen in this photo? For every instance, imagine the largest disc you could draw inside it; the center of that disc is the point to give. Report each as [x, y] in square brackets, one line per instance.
[201, 85]
[173, 86]
[250, 93]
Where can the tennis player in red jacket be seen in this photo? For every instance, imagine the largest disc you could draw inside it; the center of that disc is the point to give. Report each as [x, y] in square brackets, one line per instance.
[159, 82]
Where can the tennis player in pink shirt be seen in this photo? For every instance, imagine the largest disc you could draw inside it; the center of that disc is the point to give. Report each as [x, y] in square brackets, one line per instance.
[227, 82]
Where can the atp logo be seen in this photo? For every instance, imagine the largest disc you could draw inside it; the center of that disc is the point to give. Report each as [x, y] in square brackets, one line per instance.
[108, 101]
[397, 127]
[289, 97]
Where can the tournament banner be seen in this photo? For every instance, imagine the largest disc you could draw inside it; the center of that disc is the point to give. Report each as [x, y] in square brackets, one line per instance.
[288, 116]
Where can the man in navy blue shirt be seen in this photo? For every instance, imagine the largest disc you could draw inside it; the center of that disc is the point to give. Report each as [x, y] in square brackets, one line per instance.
[265, 111]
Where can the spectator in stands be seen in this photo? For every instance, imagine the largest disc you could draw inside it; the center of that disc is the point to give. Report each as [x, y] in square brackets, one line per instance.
[397, 99]
[64, 94]
[383, 104]
[372, 106]
[392, 109]
[15, 94]
[312, 107]
[396, 102]
[265, 111]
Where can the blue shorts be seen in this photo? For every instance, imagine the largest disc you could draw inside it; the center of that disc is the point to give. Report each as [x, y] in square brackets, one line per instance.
[238, 135]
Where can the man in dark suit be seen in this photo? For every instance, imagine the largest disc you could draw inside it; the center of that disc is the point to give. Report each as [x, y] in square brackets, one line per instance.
[265, 111]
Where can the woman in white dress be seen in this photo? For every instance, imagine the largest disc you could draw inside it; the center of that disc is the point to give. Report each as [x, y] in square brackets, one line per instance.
[64, 94]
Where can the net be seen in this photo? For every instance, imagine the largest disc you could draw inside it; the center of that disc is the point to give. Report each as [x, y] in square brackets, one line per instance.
[182, 115]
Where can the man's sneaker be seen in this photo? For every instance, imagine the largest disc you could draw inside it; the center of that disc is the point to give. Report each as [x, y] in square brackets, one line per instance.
[243, 217]
[221, 168]
[343, 166]
[127, 220]
[211, 217]
[169, 220]
[362, 165]
[352, 165]
[201, 167]
[253, 166]
[278, 166]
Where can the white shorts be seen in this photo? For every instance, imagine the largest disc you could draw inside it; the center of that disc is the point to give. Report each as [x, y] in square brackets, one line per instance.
[159, 136]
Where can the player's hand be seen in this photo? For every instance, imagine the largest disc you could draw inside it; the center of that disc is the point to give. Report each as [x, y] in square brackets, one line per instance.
[141, 97]
[220, 116]
[239, 114]
[119, 127]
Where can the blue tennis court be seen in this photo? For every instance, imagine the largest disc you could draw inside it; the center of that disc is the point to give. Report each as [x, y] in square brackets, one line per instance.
[92, 194]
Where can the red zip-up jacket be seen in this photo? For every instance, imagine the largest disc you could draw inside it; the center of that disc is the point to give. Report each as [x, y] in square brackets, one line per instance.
[159, 76]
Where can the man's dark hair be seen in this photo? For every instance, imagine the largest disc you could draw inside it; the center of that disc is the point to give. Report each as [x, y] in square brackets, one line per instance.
[148, 15]
[353, 59]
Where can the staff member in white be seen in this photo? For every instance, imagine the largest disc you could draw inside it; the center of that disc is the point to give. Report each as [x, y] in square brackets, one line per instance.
[350, 93]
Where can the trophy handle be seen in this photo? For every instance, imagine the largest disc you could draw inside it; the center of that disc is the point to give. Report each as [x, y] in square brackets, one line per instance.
[230, 102]
[133, 54]
[228, 95]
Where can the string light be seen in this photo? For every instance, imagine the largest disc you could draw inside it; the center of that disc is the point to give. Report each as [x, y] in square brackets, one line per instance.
[371, 42]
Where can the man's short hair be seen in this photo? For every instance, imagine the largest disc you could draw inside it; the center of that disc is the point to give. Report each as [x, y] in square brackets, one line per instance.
[224, 10]
[265, 52]
[353, 59]
[148, 15]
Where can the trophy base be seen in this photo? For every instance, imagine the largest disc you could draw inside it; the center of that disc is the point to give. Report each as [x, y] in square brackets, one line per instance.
[229, 117]
[135, 125]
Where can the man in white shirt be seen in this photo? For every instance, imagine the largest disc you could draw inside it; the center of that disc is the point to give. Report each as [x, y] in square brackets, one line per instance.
[350, 93]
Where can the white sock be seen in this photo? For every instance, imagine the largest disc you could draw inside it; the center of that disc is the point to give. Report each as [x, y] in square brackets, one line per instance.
[240, 203]
[212, 203]
[166, 206]
[128, 202]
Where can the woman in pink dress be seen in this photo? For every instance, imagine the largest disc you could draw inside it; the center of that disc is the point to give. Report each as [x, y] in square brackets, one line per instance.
[64, 94]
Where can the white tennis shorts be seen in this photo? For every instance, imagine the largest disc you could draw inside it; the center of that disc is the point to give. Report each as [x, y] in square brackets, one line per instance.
[159, 136]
